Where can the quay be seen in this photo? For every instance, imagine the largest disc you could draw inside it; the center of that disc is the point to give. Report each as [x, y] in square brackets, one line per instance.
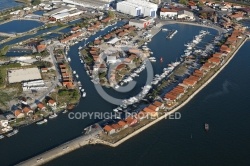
[91, 135]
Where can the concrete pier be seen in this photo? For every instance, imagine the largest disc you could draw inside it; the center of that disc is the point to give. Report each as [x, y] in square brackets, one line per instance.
[87, 138]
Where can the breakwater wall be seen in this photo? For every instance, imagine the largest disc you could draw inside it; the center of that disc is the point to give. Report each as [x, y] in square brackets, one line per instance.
[57, 151]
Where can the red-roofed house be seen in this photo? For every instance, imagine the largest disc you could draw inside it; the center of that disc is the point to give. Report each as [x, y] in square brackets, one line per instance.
[41, 47]
[214, 60]
[41, 107]
[51, 103]
[150, 112]
[123, 124]
[153, 107]
[116, 127]
[27, 111]
[130, 121]
[18, 113]
[141, 115]
[109, 130]
[158, 104]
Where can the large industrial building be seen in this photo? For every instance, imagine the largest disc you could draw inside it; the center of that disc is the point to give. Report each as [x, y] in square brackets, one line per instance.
[89, 3]
[137, 8]
[20, 75]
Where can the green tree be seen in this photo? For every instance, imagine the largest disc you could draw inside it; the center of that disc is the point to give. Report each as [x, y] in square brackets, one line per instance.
[183, 2]
[35, 2]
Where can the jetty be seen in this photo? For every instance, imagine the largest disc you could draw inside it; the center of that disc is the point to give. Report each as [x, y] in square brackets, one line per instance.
[86, 139]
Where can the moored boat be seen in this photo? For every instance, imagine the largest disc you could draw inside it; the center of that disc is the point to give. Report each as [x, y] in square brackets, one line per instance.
[1, 136]
[15, 131]
[42, 122]
[84, 94]
[65, 111]
[206, 126]
[53, 116]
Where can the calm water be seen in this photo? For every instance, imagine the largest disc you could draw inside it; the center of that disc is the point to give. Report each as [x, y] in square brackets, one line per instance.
[19, 26]
[168, 142]
[4, 4]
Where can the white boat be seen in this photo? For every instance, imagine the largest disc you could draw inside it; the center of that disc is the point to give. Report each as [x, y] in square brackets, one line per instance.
[115, 110]
[42, 122]
[53, 116]
[65, 111]
[77, 76]
[1, 136]
[164, 29]
[80, 87]
[82, 90]
[153, 60]
[69, 59]
[84, 94]
[15, 131]
[79, 47]
[74, 72]
[117, 86]
[81, 61]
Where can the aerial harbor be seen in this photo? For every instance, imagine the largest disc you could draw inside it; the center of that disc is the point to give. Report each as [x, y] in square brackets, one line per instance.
[114, 82]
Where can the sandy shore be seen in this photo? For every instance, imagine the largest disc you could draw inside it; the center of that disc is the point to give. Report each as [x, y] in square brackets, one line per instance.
[178, 107]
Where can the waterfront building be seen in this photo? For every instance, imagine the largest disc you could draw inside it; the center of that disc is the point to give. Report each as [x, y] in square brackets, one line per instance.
[153, 107]
[184, 14]
[123, 124]
[51, 103]
[158, 104]
[141, 23]
[18, 114]
[206, 67]
[214, 60]
[27, 111]
[170, 13]
[3, 121]
[131, 121]
[71, 37]
[150, 112]
[109, 130]
[101, 4]
[141, 115]
[137, 8]
[41, 107]
[117, 127]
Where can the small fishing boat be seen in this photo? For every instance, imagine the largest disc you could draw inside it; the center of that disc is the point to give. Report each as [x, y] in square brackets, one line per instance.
[42, 122]
[65, 111]
[206, 126]
[53, 116]
[84, 94]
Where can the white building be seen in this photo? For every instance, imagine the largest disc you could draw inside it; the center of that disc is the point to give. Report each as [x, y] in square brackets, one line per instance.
[15, 12]
[111, 59]
[141, 23]
[101, 4]
[168, 13]
[184, 14]
[137, 8]
[3, 121]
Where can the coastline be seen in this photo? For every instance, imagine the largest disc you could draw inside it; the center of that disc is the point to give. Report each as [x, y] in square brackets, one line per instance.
[78, 142]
